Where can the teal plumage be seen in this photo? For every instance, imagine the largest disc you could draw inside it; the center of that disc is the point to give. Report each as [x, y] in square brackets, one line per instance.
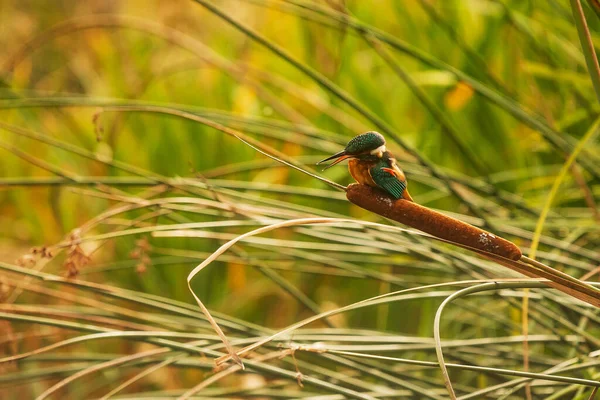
[387, 175]
[365, 142]
[385, 180]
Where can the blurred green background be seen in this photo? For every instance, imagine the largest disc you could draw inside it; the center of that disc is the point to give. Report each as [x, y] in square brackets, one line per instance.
[481, 101]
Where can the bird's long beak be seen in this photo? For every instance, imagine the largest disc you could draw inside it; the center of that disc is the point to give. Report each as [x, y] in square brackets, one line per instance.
[340, 156]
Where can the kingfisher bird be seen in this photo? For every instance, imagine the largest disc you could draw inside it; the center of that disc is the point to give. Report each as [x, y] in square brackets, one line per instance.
[371, 164]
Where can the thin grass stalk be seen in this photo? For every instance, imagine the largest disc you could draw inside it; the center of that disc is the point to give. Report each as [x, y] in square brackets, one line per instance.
[138, 376]
[587, 45]
[476, 368]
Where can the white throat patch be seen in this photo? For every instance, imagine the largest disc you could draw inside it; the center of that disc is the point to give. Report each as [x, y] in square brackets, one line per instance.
[379, 151]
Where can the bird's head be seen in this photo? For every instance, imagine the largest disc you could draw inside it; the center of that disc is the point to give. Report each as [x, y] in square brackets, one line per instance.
[364, 146]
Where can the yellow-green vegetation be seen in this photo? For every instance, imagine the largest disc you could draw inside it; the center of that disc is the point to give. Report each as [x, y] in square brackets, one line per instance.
[139, 137]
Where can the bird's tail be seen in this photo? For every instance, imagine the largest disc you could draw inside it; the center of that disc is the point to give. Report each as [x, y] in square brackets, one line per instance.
[406, 196]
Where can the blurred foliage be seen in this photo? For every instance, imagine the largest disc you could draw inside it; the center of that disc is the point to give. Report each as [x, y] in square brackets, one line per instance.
[481, 101]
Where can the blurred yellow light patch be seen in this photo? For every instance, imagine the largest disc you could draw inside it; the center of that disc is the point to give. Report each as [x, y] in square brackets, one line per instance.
[459, 96]
[245, 101]
[434, 77]
[530, 139]
[273, 175]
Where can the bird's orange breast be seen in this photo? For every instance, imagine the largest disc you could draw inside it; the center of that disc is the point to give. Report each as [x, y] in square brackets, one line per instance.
[360, 172]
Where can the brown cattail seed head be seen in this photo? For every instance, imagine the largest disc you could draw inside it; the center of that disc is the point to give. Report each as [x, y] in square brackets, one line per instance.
[429, 221]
